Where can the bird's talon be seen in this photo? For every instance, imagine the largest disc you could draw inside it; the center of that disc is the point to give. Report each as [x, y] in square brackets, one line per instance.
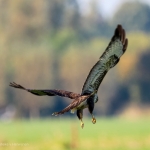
[82, 125]
[93, 120]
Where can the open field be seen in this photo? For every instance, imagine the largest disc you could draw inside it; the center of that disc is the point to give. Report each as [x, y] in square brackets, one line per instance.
[66, 134]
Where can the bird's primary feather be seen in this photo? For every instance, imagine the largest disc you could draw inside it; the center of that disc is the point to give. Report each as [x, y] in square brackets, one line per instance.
[52, 92]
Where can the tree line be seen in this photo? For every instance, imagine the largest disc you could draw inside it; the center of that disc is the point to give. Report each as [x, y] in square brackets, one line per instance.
[50, 44]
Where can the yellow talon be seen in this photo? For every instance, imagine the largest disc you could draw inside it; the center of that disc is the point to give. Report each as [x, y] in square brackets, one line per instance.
[82, 124]
[93, 120]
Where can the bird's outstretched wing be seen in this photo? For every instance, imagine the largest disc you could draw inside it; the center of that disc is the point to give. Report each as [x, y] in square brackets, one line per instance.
[53, 92]
[77, 103]
[109, 59]
[74, 104]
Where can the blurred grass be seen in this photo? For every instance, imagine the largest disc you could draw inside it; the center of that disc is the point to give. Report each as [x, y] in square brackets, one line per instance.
[65, 134]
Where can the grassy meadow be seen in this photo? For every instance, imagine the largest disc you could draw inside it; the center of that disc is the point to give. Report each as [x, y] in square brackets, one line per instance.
[66, 134]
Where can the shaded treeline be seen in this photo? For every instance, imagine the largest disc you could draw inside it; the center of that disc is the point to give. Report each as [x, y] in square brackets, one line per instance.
[50, 44]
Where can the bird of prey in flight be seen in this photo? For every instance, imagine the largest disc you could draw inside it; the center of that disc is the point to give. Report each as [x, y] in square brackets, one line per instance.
[88, 96]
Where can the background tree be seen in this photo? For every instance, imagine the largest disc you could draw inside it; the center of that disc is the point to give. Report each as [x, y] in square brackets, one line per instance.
[50, 44]
[142, 77]
[134, 16]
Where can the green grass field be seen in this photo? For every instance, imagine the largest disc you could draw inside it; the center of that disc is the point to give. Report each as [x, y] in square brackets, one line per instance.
[66, 134]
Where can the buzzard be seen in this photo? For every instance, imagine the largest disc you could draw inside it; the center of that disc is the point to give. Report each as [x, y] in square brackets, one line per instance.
[88, 96]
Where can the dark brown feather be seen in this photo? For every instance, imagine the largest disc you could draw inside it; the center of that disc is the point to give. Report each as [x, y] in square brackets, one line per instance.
[74, 104]
[53, 92]
[118, 34]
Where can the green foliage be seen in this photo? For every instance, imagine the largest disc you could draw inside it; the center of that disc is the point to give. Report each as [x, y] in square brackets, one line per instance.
[106, 134]
[143, 83]
[62, 39]
[133, 16]
[35, 62]
[51, 45]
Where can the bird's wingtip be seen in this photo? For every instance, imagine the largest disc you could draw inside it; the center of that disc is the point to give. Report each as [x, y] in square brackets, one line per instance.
[55, 114]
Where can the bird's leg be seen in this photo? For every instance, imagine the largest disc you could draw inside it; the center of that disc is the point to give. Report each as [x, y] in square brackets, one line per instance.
[80, 116]
[90, 102]
[82, 124]
[93, 119]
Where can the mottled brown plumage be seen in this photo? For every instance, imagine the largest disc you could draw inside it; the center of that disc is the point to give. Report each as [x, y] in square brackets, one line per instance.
[52, 92]
[88, 96]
